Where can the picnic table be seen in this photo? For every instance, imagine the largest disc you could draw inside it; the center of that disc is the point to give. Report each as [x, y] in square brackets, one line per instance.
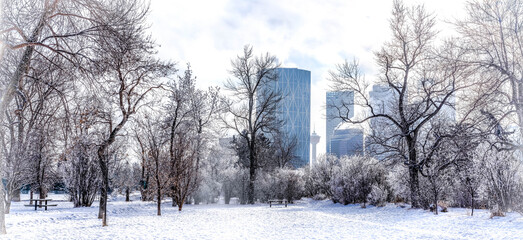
[278, 201]
[44, 201]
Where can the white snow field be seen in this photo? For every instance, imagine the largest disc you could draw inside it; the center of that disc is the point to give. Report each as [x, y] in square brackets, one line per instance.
[306, 219]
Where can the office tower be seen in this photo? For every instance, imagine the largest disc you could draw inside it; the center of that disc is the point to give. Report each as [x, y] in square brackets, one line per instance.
[337, 103]
[295, 86]
[382, 100]
[347, 142]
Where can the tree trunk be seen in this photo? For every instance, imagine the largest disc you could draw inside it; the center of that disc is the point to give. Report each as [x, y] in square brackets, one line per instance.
[413, 172]
[31, 197]
[250, 190]
[105, 186]
[252, 170]
[159, 198]
[2, 206]
[16, 195]
[43, 193]
[435, 203]
[8, 95]
[226, 195]
[414, 187]
[127, 193]
[101, 207]
[472, 203]
[180, 207]
[8, 205]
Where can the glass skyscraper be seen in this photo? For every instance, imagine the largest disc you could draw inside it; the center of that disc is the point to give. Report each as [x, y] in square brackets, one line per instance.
[295, 86]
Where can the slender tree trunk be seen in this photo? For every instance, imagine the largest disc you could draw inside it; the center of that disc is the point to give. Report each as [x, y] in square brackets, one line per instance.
[472, 203]
[158, 192]
[519, 107]
[42, 193]
[226, 194]
[127, 193]
[31, 197]
[252, 171]
[413, 173]
[105, 186]
[2, 205]
[436, 204]
[436, 195]
[8, 204]
[16, 195]
[159, 197]
[101, 207]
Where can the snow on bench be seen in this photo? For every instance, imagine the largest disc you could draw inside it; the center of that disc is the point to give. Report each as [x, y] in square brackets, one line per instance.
[278, 201]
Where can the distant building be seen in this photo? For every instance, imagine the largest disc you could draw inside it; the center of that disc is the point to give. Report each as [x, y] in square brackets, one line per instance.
[315, 139]
[381, 100]
[295, 86]
[334, 101]
[347, 142]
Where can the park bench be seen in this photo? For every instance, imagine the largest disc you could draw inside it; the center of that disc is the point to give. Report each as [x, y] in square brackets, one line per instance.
[43, 203]
[278, 201]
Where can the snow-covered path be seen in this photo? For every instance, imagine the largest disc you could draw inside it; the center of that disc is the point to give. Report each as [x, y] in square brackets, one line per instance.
[305, 220]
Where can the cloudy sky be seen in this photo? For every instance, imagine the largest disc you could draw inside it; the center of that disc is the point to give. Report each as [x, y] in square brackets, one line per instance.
[308, 34]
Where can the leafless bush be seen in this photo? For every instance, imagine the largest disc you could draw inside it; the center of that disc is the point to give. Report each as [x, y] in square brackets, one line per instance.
[355, 178]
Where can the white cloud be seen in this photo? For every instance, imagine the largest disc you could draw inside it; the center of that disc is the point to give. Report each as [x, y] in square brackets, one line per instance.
[312, 35]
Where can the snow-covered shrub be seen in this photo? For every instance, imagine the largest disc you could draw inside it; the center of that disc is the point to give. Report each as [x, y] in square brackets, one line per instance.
[266, 186]
[81, 174]
[355, 178]
[503, 174]
[318, 178]
[281, 183]
[398, 180]
[378, 195]
[291, 184]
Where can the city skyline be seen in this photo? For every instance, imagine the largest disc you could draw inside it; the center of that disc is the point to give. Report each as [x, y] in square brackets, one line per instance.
[305, 34]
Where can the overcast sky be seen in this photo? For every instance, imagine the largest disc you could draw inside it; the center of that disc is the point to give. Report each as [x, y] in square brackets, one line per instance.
[311, 35]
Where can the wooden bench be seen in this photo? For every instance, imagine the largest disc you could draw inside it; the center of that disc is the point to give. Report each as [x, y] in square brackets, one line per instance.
[44, 201]
[278, 201]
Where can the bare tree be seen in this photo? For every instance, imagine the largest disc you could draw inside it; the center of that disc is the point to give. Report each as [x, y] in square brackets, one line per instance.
[491, 34]
[284, 148]
[145, 172]
[191, 112]
[416, 85]
[253, 109]
[155, 142]
[127, 73]
[52, 30]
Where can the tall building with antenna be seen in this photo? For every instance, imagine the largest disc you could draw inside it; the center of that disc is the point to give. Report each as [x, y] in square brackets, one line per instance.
[315, 139]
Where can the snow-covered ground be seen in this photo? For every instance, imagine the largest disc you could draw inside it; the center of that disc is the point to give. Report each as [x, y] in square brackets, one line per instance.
[307, 219]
